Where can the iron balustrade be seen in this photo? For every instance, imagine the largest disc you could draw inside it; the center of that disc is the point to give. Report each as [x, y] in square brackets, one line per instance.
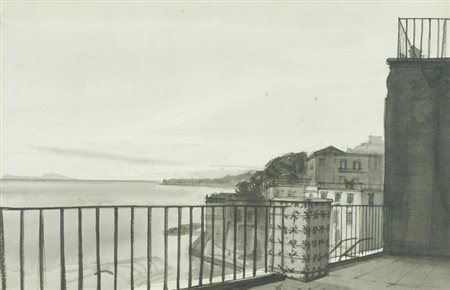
[207, 239]
[422, 38]
[357, 231]
[223, 243]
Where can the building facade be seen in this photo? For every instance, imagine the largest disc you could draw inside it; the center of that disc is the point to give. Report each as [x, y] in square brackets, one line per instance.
[353, 180]
[285, 189]
[354, 177]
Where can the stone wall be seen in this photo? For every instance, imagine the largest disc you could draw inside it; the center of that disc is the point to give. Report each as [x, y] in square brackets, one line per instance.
[417, 166]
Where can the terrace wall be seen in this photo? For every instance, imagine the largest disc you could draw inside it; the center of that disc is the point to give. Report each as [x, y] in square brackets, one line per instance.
[417, 172]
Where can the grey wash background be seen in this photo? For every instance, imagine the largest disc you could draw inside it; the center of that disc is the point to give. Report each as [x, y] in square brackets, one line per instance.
[148, 90]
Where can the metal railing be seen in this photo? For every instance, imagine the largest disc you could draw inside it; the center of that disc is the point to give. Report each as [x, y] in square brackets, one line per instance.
[151, 246]
[356, 231]
[161, 247]
[422, 38]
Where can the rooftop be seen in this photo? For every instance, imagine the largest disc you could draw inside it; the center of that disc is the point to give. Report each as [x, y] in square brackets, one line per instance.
[391, 272]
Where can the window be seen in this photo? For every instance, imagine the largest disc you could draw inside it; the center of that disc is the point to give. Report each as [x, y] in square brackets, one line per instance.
[371, 198]
[349, 197]
[356, 165]
[323, 194]
[337, 196]
[349, 217]
[321, 162]
[343, 164]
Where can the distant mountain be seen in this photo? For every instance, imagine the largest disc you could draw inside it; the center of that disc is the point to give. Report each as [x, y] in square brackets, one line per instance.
[226, 181]
[46, 176]
[55, 176]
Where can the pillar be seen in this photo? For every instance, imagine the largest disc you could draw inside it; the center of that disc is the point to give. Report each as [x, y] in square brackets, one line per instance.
[299, 238]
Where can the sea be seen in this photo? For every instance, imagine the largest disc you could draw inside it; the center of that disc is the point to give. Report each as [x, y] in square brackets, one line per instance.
[60, 193]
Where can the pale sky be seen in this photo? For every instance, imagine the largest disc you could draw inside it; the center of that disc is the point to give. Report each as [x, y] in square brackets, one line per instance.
[149, 90]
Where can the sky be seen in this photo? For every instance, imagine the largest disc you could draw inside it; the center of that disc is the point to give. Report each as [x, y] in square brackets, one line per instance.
[152, 90]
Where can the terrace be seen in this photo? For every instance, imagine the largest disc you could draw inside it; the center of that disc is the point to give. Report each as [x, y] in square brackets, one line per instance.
[381, 272]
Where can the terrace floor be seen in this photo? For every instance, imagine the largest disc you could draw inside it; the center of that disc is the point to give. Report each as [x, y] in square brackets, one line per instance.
[385, 272]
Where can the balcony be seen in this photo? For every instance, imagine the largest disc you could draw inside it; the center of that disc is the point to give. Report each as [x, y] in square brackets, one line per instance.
[422, 38]
[178, 247]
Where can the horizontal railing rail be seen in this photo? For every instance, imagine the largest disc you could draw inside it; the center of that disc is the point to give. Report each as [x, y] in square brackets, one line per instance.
[356, 231]
[88, 247]
[422, 38]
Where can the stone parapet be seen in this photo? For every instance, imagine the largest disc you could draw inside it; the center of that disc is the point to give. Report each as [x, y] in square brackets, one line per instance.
[299, 238]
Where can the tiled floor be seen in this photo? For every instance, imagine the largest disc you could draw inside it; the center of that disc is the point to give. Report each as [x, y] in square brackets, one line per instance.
[387, 272]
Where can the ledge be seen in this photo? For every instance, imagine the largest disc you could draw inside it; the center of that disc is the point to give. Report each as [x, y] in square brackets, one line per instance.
[419, 60]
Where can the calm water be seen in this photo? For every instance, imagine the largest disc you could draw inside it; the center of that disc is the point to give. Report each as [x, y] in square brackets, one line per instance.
[20, 193]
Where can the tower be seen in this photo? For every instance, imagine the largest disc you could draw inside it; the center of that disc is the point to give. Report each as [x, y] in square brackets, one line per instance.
[417, 134]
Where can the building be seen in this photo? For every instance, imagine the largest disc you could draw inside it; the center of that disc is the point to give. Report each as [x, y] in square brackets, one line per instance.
[375, 145]
[417, 133]
[352, 177]
[279, 189]
[353, 180]
[233, 211]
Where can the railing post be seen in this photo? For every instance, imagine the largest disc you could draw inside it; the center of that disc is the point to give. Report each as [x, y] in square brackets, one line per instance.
[166, 246]
[149, 246]
[398, 39]
[244, 255]
[224, 236]
[211, 233]
[80, 249]
[41, 250]
[2, 251]
[190, 247]
[406, 38]
[234, 241]
[266, 237]
[116, 241]
[180, 212]
[444, 39]
[202, 244]
[22, 250]
[438, 36]
[97, 248]
[255, 240]
[429, 38]
[273, 252]
[61, 249]
[132, 248]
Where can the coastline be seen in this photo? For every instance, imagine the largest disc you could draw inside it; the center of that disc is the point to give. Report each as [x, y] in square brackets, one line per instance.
[214, 185]
[77, 180]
